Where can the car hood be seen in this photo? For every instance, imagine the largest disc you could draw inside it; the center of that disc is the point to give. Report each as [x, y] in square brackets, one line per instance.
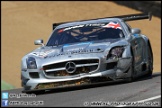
[82, 47]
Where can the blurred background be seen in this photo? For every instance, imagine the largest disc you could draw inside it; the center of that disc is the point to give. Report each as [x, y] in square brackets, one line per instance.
[22, 22]
[144, 6]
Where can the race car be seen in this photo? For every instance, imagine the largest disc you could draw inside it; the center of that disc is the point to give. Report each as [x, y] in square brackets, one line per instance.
[88, 51]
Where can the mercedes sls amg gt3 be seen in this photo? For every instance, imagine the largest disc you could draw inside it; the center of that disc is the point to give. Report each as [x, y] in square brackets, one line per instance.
[88, 51]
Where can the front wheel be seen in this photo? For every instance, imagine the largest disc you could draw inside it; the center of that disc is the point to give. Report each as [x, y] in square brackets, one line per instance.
[150, 61]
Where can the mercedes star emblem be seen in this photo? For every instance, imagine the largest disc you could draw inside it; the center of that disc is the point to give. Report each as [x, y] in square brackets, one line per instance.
[70, 67]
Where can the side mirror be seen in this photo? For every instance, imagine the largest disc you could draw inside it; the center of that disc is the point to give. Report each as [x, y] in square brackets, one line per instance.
[135, 31]
[39, 42]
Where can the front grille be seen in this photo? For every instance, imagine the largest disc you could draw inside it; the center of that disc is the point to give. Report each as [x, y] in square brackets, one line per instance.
[79, 70]
[82, 66]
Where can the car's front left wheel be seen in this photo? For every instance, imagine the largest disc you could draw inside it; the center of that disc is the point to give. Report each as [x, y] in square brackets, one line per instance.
[150, 60]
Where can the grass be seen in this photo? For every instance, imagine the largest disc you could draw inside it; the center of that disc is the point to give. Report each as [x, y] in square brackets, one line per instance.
[6, 86]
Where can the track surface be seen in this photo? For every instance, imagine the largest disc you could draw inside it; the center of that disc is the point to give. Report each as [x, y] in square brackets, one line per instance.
[141, 89]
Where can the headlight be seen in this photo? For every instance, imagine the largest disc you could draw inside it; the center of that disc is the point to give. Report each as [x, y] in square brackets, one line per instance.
[116, 52]
[31, 63]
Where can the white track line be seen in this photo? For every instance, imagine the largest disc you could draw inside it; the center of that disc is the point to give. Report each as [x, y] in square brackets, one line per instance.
[152, 98]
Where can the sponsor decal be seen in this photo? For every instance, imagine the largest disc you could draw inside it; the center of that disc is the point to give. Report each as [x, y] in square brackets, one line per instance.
[78, 51]
[114, 25]
[78, 26]
[42, 54]
[97, 24]
[83, 25]
[82, 43]
[61, 30]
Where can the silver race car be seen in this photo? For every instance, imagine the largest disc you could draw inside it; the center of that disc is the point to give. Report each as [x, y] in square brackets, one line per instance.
[88, 51]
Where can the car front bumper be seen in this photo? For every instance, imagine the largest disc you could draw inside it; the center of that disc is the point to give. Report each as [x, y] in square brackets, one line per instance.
[43, 82]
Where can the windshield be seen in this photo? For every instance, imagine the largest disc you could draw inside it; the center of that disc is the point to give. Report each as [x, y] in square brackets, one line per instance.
[85, 32]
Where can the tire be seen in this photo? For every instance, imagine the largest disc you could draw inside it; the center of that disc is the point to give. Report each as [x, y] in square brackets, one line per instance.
[150, 58]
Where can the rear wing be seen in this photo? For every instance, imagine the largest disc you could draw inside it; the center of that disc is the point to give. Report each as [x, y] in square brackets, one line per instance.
[130, 17]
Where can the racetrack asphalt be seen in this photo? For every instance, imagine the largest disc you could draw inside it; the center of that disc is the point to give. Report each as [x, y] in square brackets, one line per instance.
[143, 91]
